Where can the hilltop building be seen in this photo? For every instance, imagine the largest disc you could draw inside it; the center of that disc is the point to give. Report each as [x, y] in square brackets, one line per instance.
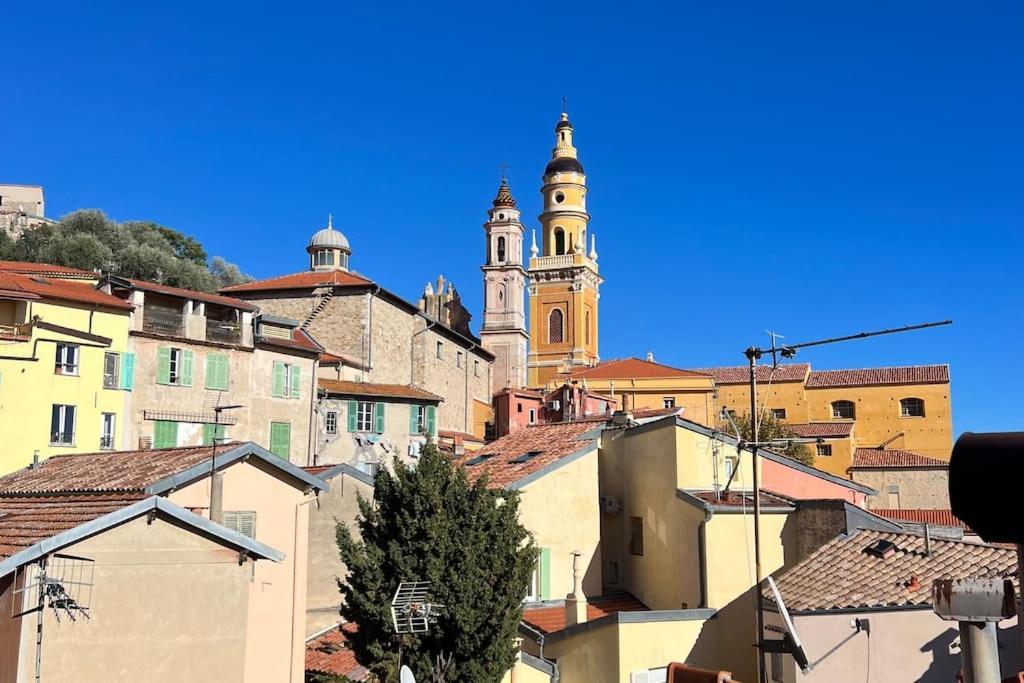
[21, 207]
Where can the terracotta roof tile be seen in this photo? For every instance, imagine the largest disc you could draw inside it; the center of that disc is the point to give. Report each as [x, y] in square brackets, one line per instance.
[918, 374]
[103, 472]
[61, 289]
[300, 340]
[28, 268]
[347, 388]
[330, 655]
[520, 454]
[631, 367]
[552, 619]
[740, 374]
[24, 521]
[741, 499]
[309, 279]
[228, 301]
[843, 574]
[937, 517]
[828, 430]
[889, 457]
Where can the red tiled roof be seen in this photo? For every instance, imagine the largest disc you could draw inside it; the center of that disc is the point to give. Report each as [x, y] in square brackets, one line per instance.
[309, 279]
[28, 268]
[190, 294]
[330, 655]
[103, 472]
[347, 388]
[828, 430]
[552, 619]
[937, 517]
[741, 499]
[740, 374]
[549, 443]
[655, 412]
[38, 286]
[842, 574]
[631, 367]
[24, 521]
[317, 470]
[890, 457]
[300, 340]
[458, 436]
[917, 374]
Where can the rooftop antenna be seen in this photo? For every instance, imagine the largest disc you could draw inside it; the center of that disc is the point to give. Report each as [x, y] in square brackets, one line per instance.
[218, 402]
[411, 612]
[565, 104]
[787, 351]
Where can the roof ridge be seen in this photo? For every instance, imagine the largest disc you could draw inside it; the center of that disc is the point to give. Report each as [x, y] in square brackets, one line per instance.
[885, 367]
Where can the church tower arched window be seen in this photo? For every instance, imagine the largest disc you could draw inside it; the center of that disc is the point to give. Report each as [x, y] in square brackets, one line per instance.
[555, 323]
[559, 241]
[501, 249]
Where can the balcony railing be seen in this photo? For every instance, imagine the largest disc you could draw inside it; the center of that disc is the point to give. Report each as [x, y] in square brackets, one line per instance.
[163, 321]
[223, 331]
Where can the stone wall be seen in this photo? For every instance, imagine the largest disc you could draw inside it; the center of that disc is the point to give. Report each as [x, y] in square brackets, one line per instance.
[918, 488]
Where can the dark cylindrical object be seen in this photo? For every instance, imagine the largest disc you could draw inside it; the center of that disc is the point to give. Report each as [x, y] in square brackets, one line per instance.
[985, 475]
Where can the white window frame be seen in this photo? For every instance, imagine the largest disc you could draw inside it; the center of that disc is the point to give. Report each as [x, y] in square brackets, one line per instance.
[533, 590]
[421, 419]
[904, 403]
[668, 402]
[533, 416]
[108, 431]
[111, 380]
[174, 362]
[331, 422]
[844, 403]
[440, 349]
[65, 411]
[67, 360]
[364, 416]
[823, 450]
[237, 521]
[779, 413]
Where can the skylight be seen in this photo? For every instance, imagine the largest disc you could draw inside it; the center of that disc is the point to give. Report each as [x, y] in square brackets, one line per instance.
[525, 457]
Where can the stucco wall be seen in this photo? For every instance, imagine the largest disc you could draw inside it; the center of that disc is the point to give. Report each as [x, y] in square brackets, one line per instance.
[340, 504]
[562, 511]
[919, 488]
[779, 478]
[730, 553]
[343, 446]
[168, 605]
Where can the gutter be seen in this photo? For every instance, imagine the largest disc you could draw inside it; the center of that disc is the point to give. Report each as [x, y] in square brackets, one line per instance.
[369, 330]
[702, 556]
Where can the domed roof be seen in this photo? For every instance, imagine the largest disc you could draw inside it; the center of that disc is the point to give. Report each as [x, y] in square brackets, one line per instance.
[504, 197]
[564, 165]
[564, 123]
[329, 237]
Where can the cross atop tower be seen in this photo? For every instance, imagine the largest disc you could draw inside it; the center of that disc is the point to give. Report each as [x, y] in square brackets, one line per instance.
[565, 104]
[503, 167]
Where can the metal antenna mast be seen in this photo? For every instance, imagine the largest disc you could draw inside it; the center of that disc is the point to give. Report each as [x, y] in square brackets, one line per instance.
[753, 354]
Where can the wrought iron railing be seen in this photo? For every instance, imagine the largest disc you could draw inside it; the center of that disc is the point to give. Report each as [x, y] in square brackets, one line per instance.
[163, 321]
[223, 331]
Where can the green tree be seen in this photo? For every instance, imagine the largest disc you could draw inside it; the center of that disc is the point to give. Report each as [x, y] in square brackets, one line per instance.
[770, 427]
[431, 524]
[227, 274]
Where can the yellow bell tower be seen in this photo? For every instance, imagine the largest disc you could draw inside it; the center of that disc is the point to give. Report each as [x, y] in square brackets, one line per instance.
[564, 279]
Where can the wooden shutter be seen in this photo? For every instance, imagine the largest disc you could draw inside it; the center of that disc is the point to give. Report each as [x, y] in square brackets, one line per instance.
[163, 365]
[432, 420]
[217, 371]
[247, 524]
[545, 573]
[128, 370]
[280, 439]
[165, 434]
[277, 389]
[414, 419]
[225, 372]
[295, 381]
[186, 368]
[378, 417]
[353, 416]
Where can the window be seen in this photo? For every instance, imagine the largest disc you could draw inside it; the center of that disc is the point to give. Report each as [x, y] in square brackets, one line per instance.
[107, 421]
[128, 371]
[111, 370]
[281, 439]
[843, 410]
[331, 422]
[560, 196]
[501, 249]
[217, 371]
[458, 359]
[587, 325]
[559, 241]
[476, 368]
[165, 434]
[555, 326]
[370, 468]
[824, 450]
[533, 416]
[519, 407]
[174, 366]
[668, 402]
[241, 522]
[911, 407]
[62, 425]
[214, 434]
[730, 467]
[67, 359]
[286, 383]
[636, 536]
[440, 349]
[364, 416]
[613, 572]
[417, 419]
[779, 413]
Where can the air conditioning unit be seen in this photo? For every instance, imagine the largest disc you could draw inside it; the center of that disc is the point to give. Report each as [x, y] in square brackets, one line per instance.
[554, 405]
[610, 504]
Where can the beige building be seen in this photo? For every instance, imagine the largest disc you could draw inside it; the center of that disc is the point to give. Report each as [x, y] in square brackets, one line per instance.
[195, 352]
[902, 480]
[21, 207]
[370, 425]
[391, 339]
[174, 596]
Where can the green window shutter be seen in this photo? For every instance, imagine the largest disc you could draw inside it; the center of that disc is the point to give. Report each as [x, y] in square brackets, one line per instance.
[378, 418]
[353, 408]
[545, 573]
[414, 422]
[225, 372]
[165, 434]
[280, 439]
[295, 381]
[186, 368]
[277, 389]
[212, 432]
[216, 371]
[432, 420]
[128, 370]
[163, 365]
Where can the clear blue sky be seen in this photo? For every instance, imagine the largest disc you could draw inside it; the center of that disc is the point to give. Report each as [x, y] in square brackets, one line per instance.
[816, 169]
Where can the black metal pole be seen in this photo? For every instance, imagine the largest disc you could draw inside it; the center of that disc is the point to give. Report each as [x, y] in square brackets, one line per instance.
[752, 355]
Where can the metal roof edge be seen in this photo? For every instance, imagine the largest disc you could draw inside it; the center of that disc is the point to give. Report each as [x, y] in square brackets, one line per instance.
[630, 617]
[345, 468]
[542, 665]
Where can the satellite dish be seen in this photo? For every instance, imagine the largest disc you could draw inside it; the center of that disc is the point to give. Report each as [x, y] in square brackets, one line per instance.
[793, 646]
[405, 676]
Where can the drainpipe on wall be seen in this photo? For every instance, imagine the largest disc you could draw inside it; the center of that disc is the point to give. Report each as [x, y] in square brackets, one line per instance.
[295, 580]
[368, 361]
[314, 422]
[465, 417]
[412, 348]
[702, 555]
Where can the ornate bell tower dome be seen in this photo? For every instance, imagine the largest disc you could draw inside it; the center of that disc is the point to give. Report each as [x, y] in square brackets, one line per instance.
[328, 249]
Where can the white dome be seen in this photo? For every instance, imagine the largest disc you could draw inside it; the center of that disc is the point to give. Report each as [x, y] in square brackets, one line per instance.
[329, 237]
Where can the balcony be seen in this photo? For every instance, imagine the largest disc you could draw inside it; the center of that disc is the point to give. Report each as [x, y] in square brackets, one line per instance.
[560, 261]
[163, 320]
[223, 331]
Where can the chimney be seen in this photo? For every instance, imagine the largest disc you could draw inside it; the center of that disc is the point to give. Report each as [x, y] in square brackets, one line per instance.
[927, 541]
[35, 460]
[622, 417]
[575, 603]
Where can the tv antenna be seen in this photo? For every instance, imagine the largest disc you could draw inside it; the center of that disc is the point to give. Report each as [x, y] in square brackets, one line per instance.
[790, 642]
[410, 611]
[218, 402]
[787, 351]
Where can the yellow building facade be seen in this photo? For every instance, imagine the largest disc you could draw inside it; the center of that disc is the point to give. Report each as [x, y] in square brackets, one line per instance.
[563, 274]
[65, 369]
